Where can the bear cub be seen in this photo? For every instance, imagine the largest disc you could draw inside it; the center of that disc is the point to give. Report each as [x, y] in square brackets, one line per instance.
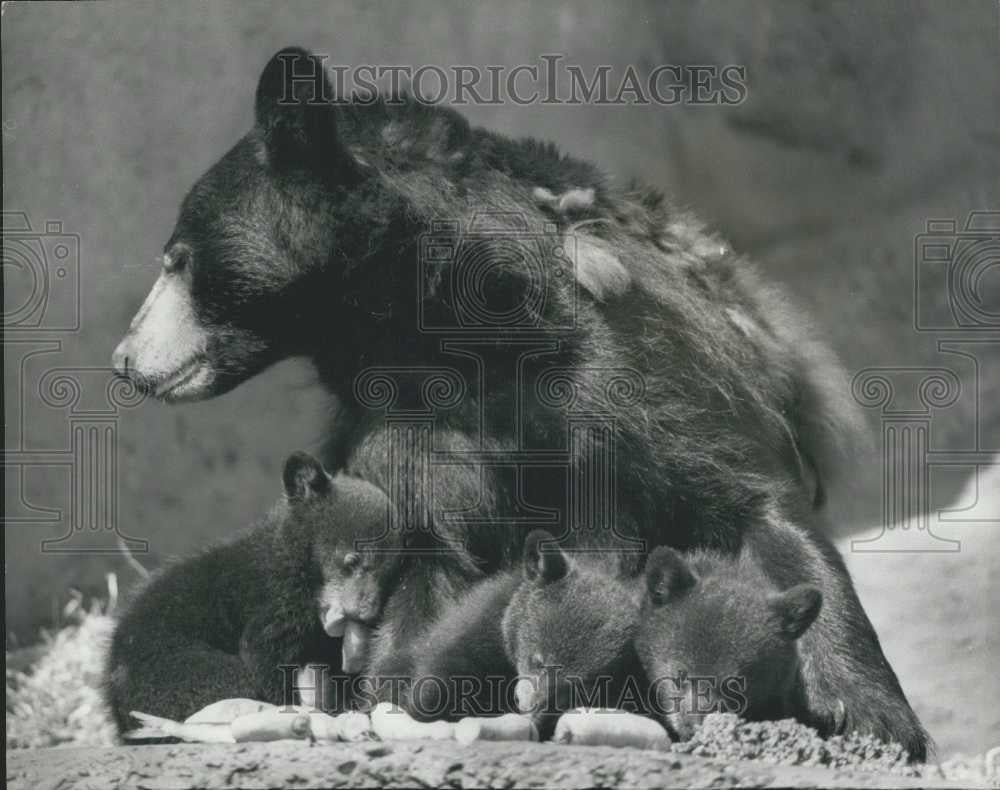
[570, 630]
[716, 635]
[458, 666]
[556, 633]
[234, 620]
[553, 634]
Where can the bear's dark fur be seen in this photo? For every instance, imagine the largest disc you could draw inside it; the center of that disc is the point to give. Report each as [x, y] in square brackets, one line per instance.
[715, 635]
[714, 408]
[222, 624]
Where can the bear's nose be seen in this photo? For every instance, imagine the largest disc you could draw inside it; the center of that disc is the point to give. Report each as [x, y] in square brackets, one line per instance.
[123, 358]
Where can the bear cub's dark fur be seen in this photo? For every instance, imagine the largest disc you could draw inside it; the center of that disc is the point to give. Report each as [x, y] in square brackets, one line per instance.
[459, 665]
[222, 624]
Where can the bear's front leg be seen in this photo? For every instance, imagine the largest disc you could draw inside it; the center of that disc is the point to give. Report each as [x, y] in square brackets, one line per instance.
[847, 683]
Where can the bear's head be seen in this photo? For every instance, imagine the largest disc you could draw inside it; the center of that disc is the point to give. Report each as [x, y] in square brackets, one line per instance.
[569, 630]
[341, 524]
[260, 248]
[716, 636]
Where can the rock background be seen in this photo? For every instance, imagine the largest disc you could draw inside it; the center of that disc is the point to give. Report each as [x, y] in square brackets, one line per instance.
[862, 121]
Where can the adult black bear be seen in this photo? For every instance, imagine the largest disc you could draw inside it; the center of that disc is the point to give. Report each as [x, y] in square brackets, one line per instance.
[506, 359]
[224, 623]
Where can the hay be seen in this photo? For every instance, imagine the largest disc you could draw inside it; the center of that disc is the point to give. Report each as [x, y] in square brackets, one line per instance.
[57, 701]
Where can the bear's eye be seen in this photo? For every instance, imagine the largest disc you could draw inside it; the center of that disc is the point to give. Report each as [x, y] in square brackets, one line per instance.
[351, 560]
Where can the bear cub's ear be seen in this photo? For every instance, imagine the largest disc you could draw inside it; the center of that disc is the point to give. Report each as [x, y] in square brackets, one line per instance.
[667, 575]
[796, 609]
[543, 564]
[305, 477]
[295, 113]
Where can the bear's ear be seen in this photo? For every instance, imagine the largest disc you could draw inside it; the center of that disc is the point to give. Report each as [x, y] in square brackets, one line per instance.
[795, 609]
[296, 115]
[667, 575]
[543, 564]
[304, 477]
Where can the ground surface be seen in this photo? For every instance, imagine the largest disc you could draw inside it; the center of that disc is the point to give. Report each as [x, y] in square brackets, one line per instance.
[409, 764]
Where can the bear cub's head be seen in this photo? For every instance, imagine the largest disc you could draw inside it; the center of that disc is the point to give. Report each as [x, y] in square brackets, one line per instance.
[569, 630]
[717, 636]
[340, 523]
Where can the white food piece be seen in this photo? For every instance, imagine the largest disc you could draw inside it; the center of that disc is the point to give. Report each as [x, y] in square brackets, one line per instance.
[271, 725]
[509, 727]
[158, 727]
[608, 727]
[390, 722]
[350, 726]
[225, 710]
